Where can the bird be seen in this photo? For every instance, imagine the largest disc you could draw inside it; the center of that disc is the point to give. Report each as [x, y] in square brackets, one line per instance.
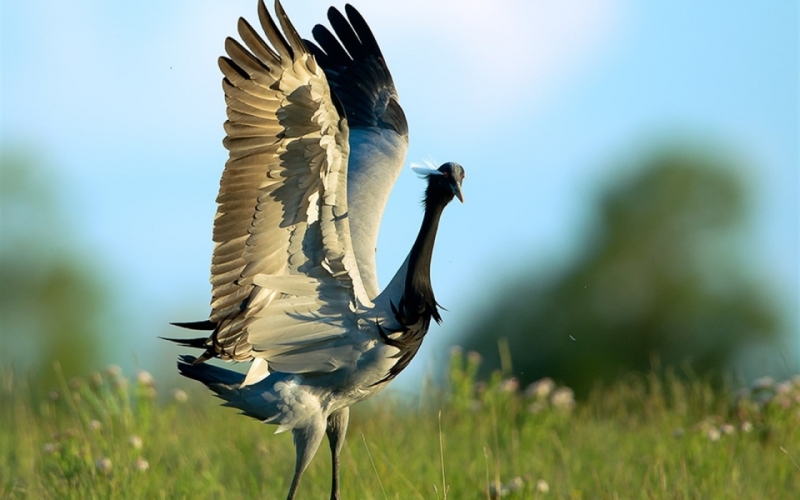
[316, 139]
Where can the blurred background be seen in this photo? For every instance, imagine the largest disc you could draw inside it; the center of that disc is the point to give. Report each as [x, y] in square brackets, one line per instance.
[631, 198]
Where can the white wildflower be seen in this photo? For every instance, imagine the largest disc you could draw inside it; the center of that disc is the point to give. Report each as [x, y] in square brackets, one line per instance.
[474, 358]
[540, 389]
[517, 483]
[563, 398]
[104, 465]
[145, 379]
[542, 486]
[113, 371]
[509, 385]
[135, 441]
[179, 396]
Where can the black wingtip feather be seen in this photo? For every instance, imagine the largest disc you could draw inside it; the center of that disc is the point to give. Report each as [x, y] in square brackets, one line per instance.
[346, 34]
[356, 71]
[363, 30]
[196, 325]
[333, 49]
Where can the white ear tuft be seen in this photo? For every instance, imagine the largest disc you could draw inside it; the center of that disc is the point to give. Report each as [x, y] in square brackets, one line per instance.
[424, 171]
[431, 163]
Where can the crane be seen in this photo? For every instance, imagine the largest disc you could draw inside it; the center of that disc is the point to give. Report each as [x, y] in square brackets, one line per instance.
[316, 139]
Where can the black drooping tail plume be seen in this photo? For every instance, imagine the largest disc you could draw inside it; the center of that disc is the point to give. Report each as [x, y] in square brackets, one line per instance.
[210, 375]
[226, 384]
[197, 342]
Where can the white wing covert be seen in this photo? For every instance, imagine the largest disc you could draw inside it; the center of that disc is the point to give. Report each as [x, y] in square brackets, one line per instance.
[285, 283]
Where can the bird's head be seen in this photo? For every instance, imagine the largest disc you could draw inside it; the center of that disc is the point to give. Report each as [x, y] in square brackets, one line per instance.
[444, 182]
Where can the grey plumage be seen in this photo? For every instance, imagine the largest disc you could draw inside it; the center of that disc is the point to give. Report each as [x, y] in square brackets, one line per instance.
[316, 138]
[358, 76]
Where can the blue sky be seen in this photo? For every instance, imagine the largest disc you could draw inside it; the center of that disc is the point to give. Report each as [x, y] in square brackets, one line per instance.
[538, 100]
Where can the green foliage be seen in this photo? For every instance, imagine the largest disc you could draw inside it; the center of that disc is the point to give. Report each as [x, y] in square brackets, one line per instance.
[51, 305]
[643, 437]
[660, 277]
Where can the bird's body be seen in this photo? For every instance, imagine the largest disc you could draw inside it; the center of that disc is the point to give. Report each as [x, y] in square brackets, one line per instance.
[316, 139]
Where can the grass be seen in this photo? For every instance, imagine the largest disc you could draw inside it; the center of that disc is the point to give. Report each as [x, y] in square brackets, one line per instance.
[645, 437]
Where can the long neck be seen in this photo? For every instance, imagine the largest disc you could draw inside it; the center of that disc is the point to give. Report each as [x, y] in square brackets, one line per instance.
[417, 305]
[418, 294]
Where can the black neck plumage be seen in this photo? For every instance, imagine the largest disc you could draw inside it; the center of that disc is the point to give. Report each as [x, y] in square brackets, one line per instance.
[418, 298]
[417, 305]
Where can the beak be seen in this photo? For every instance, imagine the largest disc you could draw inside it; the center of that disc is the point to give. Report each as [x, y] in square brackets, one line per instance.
[457, 192]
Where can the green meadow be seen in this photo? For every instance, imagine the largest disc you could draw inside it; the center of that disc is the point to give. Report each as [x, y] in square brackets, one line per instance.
[670, 436]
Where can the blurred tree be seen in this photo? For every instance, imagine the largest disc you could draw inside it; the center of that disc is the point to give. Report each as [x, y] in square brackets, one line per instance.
[51, 305]
[660, 277]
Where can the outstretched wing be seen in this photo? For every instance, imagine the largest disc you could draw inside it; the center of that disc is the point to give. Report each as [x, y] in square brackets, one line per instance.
[358, 75]
[284, 277]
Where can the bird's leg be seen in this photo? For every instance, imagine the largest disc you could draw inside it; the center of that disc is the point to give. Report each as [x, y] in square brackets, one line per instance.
[337, 428]
[306, 443]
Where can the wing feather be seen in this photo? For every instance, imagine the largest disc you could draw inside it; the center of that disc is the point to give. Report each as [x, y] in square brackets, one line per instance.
[296, 43]
[255, 43]
[360, 79]
[284, 277]
[273, 34]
